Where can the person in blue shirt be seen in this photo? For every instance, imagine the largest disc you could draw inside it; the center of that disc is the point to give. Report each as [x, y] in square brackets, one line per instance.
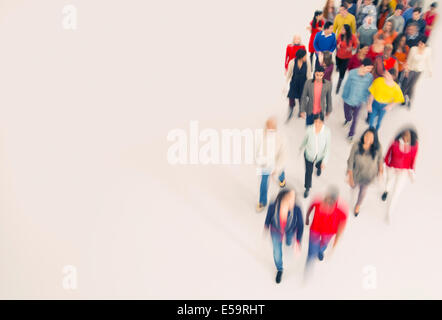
[324, 41]
[356, 93]
[284, 218]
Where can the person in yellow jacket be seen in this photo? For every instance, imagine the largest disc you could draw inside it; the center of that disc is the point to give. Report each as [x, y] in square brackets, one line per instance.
[344, 17]
[384, 94]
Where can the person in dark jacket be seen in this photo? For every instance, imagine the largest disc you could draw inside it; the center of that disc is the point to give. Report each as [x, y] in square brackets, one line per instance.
[284, 218]
[316, 97]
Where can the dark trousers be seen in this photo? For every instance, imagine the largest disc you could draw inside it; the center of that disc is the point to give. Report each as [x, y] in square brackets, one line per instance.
[351, 113]
[292, 104]
[409, 83]
[309, 171]
[342, 64]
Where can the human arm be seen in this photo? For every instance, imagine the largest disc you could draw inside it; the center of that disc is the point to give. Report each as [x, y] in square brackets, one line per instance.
[270, 211]
[329, 101]
[351, 164]
[299, 228]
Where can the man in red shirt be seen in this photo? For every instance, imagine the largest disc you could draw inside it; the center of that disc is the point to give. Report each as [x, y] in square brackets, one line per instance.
[330, 216]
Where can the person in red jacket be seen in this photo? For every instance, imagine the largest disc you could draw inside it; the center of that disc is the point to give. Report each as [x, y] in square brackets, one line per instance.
[315, 26]
[330, 216]
[292, 48]
[400, 160]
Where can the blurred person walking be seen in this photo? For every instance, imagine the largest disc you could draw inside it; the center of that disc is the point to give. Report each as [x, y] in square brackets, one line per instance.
[299, 70]
[400, 52]
[400, 163]
[385, 93]
[356, 60]
[315, 26]
[324, 41]
[367, 8]
[329, 11]
[271, 158]
[418, 62]
[346, 43]
[284, 218]
[330, 217]
[316, 147]
[316, 97]
[430, 18]
[292, 48]
[397, 19]
[364, 164]
[367, 31]
[355, 93]
[342, 19]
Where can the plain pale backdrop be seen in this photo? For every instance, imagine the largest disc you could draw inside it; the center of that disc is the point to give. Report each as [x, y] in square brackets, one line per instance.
[84, 117]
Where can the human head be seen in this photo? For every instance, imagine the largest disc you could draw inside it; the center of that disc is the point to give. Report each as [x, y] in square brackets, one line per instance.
[388, 26]
[286, 197]
[417, 13]
[363, 49]
[332, 195]
[318, 120]
[399, 9]
[433, 6]
[388, 50]
[317, 16]
[347, 31]
[343, 11]
[366, 66]
[408, 135]
[368, 20]
[368, 136]
[328, 28]
[271, 123]
[347, 3]
[319, 73]
[368, 2]
[327, 58]
[296, 39]
[422, 42]
[300, 54]
[412, 29]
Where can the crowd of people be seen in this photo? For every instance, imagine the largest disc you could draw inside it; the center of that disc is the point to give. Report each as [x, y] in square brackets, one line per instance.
[380, 50]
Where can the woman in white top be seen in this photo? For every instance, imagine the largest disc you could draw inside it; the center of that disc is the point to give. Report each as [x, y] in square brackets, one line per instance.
[418, 61]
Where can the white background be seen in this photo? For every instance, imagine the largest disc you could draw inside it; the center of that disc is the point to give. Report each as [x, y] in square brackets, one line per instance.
[85, 181]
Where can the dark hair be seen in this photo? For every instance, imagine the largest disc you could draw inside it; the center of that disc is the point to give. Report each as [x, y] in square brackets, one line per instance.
[397, 41]
[327, 25]
[363, 45]
[413, 135]
[300, 54]
[434, 5]
[328, 58]
[423, 39]
[374, 147]
[319, 69]
[367, 62]
[399, 7]
[418, 9]
[319, 116]
[348, 34]
[392, 71]
[315, 21]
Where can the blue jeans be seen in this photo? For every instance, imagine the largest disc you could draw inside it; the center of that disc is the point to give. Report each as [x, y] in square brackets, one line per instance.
[317, 244]
[378, 110]
[277, 247]
[264, 188]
